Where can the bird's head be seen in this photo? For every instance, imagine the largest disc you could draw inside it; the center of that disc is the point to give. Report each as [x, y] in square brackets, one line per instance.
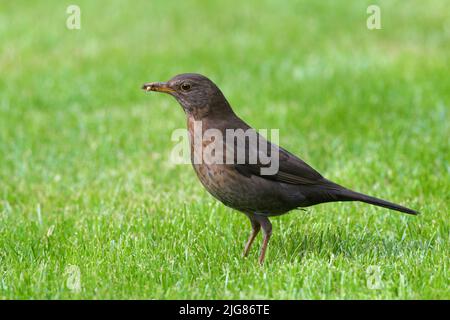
[198, 95]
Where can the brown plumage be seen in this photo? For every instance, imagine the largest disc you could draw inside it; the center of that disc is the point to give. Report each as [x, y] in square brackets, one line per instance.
[242, 186]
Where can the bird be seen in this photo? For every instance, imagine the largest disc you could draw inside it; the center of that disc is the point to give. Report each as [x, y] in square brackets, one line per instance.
[241, 185]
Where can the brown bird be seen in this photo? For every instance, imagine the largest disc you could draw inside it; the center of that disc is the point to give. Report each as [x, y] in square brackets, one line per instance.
[242, 185]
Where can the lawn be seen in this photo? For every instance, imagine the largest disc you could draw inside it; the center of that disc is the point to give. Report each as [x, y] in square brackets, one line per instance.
[91, 207]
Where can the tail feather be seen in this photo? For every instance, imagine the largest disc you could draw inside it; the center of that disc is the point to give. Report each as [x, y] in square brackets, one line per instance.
[348, 195]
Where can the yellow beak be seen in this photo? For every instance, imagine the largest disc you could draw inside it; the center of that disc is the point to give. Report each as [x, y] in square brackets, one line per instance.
[157, 86]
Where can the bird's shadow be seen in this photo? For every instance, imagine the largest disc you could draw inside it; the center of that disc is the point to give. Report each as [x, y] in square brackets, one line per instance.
[338, 241]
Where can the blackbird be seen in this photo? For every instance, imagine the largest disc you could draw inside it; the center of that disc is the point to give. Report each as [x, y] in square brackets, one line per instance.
[242, 185]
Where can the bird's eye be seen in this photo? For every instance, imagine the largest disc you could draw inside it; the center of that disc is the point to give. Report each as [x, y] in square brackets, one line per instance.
[185, 86]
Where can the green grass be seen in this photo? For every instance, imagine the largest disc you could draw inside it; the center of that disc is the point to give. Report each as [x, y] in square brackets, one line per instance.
[83, 151]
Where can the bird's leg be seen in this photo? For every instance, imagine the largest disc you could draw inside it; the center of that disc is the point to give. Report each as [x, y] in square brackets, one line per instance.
[267, 232]
[256, 226]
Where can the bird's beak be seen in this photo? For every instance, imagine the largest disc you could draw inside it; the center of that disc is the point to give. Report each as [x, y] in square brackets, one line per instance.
[157, 86]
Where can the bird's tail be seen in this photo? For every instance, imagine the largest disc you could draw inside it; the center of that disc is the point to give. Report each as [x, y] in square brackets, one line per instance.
[349, 195]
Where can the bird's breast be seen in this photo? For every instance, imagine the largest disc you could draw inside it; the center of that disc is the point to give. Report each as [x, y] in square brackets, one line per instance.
[223, 181]
[219, 178]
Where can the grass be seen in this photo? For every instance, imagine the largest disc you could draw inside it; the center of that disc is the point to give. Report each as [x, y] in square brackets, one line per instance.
[85, 184]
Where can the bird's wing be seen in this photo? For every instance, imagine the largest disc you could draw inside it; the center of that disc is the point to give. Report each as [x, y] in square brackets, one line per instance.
[291, 169]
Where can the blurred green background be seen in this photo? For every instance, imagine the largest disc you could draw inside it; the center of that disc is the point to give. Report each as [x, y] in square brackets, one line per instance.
[90, 207]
